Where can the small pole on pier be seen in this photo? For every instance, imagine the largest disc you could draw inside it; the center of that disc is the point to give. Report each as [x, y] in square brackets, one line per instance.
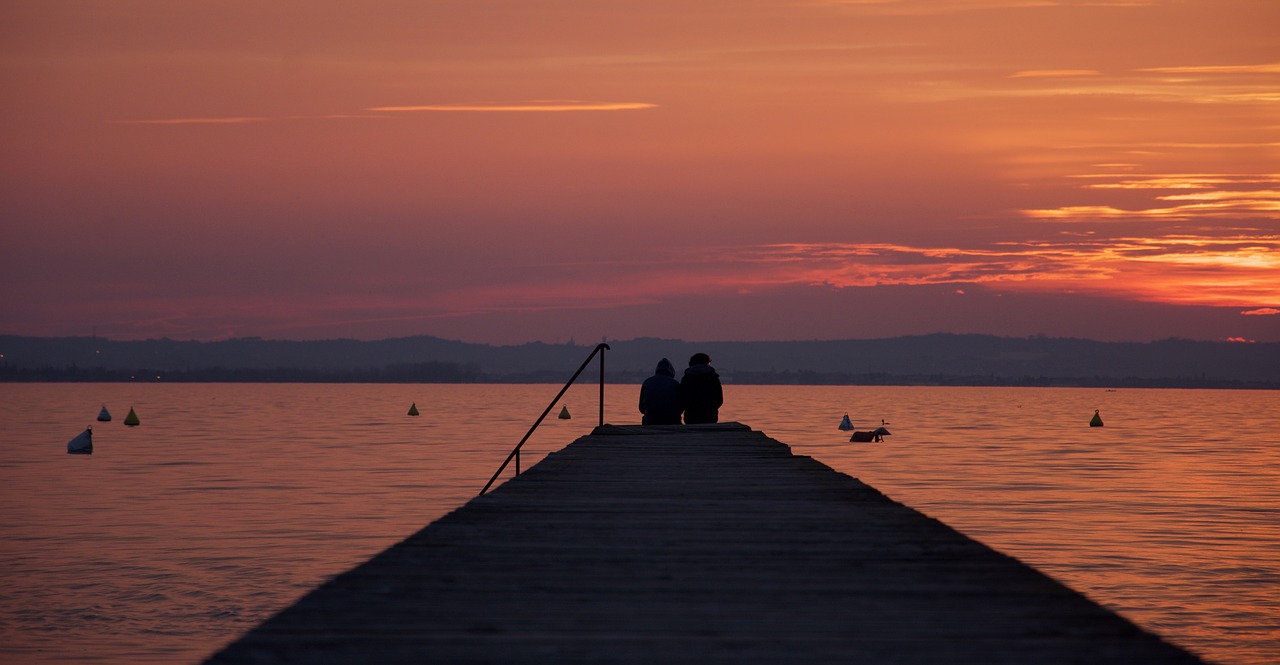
[602, 384]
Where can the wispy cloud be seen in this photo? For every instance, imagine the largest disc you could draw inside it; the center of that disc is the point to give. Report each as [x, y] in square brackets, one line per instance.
[381, 112]
[1223, 206]
[1240, 84]
[931, 7]
[1269, 68]
[1265, 195]
[1054, 73]
[340, 116]
[1262, 311]
[1175, 180]
[1200, 196]
[535, 106]
[236, 120]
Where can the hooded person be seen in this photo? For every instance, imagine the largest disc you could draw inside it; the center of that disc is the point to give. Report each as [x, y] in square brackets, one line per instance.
[660, 396]
[700, 393]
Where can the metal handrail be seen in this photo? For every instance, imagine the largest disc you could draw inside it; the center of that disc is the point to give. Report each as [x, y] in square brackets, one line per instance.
[515, 452]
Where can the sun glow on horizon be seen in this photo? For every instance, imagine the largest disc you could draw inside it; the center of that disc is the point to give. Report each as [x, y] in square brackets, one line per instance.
[1183, 269]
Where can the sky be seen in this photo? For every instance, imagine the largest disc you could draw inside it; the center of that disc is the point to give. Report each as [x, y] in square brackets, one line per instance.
[505, 171]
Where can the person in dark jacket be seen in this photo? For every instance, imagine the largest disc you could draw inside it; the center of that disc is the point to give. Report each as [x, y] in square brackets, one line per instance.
[700, 393]
[660, 396]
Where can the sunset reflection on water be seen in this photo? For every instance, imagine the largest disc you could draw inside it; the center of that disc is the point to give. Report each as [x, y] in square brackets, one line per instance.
[229, 501]
[1167, 514]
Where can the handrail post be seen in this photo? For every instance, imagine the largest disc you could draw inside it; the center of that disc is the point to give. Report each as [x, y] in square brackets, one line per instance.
[602, 385]
[515, 452]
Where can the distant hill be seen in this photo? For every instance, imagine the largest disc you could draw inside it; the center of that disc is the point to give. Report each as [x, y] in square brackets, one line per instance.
[942, 359]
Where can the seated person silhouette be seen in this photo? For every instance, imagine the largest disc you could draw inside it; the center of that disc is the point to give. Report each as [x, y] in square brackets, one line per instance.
[700, 392]
[660, 396]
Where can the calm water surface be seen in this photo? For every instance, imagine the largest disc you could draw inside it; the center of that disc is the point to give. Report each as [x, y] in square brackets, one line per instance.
[231, 500]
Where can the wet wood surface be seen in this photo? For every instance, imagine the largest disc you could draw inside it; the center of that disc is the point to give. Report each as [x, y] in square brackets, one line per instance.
[697, 544]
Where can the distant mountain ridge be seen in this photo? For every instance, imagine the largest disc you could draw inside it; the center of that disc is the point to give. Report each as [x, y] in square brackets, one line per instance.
[923, 359]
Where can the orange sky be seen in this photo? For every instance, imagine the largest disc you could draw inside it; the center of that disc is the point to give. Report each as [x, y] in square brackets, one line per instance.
[506, 171]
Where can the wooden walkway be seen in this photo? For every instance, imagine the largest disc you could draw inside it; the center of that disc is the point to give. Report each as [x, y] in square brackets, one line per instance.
[701, 544]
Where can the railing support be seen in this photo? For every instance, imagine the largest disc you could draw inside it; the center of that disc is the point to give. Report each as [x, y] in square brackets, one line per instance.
[515, 452]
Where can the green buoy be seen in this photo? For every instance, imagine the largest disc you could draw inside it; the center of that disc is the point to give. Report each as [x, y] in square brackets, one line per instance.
[564, 413]
[1096, 421]
[413, 409]
[132, 419]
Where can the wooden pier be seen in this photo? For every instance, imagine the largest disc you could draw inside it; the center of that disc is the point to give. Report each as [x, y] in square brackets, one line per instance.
[694, 544]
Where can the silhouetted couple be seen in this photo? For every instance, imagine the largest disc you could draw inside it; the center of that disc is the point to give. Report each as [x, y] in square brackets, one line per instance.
[697, 395]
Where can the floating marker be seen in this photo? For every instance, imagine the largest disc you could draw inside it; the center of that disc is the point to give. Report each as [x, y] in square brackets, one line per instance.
[564, 413]
[1096, 421]
[413, 409]
[132, 419]
[846, 424]
[876, 435]
[104, 416]
[82, 444]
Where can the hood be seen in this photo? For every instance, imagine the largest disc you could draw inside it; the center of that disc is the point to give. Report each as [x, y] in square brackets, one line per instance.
[696, 370]
[665, 368]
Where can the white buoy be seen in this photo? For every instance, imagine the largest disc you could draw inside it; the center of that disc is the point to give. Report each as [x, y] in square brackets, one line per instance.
[846, 424]
[104, 416]
[82, 444]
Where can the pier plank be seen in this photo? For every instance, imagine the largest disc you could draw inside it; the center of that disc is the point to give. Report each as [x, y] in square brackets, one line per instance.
[707, 544]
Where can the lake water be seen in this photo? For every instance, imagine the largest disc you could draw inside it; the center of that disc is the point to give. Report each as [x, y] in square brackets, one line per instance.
[231, 500]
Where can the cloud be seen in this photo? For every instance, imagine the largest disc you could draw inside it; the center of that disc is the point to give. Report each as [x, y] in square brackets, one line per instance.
[1054, 73]
[535, 106]
[1223, 207]
[1188, 269]
[1271, 68]
[1204, 196]
[237, 120]
[1247, 84]
[1176, 180]
[1262, 311]
[1223, 196]
[339, 116]
[931, 7]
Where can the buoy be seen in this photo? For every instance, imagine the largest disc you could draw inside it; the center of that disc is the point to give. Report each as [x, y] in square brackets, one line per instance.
[846, 424]
[82, 444]
[104, 416]
[1096, 421]
[876, 435]
[132, 419]
[564, 413]
[413, 409]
